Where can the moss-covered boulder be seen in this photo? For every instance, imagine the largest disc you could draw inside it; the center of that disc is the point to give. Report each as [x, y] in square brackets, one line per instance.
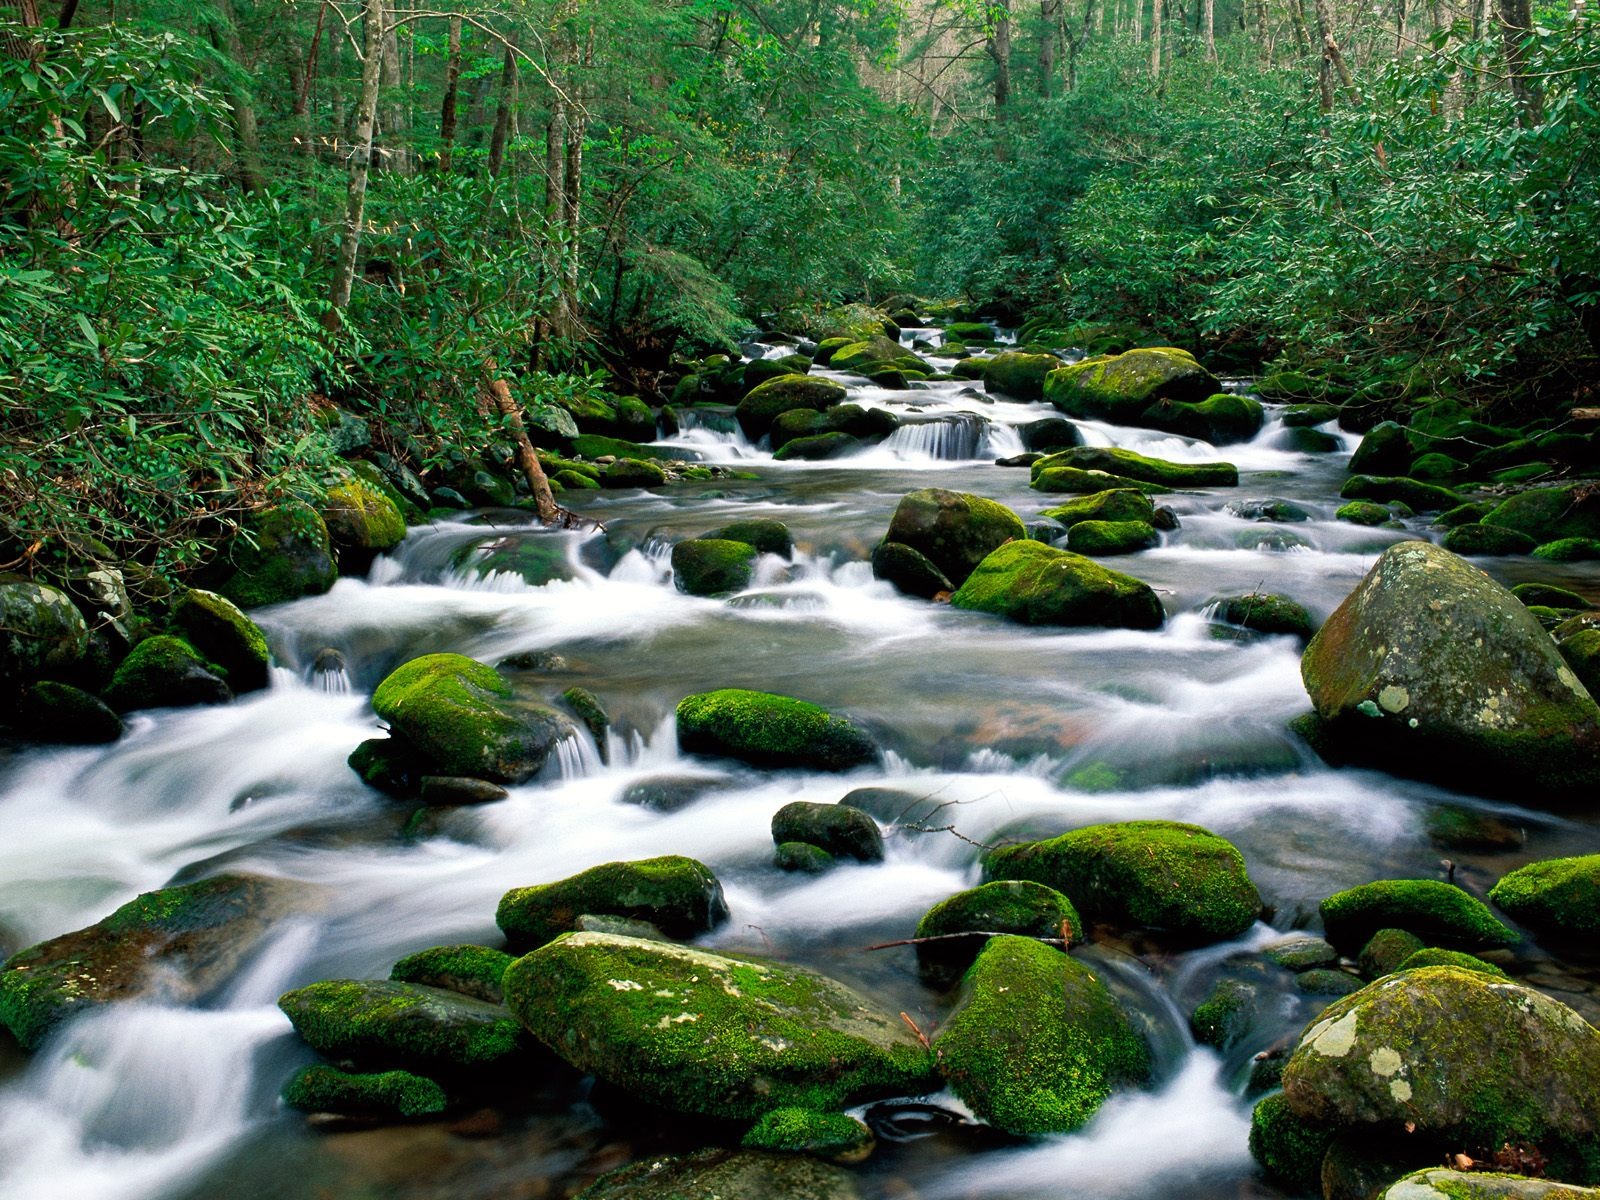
[48, 711]
[770, 731]
[762, 406]
[908, 570]
[462, 718]
[1482, 539]
[1075, 481]
[1384, 450]
[1124, 387]
[802, 858]
[1142, 874]
[1558, 895]
[1423, 497]
[165, 672]
[720, 1035]
[218, 629]
[678, 895]
[1104, 539]
[766, 535]
[1040, 585]
[877, 354]
[1050, 433]
[281, 553]
[1547, 595]
[633, 473]
[362, 523]
[817, 447]
[1019, 375]
[758, 370]
[842, 831]
[725, 1175]
[1386, 950]
[383, 1095]
[712, 566]
[41, 632]
[1434, 956]
[1568, 550]
[1224, 1017]
[1266, 613]
[1114, 504]
[969, 331]
[1288, 1148]
[1549, 514]
[963, 924]
[468, 970]
[1300, 952]
[1433, 670]
[1036, 1043]
[834, 1136]
[1364, 512]
[1128, 464]
[380, 1024]
[1455, 1060]
[1436, 1183]
[1440, 914]
[954, 530]
[167, 946]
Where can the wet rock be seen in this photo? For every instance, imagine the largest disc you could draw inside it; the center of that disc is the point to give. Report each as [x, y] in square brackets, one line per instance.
[1267, 613]
[164, 672]
[1288, 1147]
[384, 1095]
[58, 712]
[1051, 433]
[720, 1035]
[391, 767]
[1569, 550]
[1129, 388]
[726, 1175]
[1102, 539]
[467, 970]
[618, 927]
[216, 627]
[583, 704]
[1456, 827]
[1017, 906]
[1438, 1184]
[678, 895]
[1438, 913]
[770, 731]
[1300, 953]
[819, 446]
[41, 632]
[1304, 416]
[669, 793]
[1142, 874]
[894, 806]
[842, 831]
[802, 858]
[1115, 504]
[1386, 950]
[763, 404]
[1225, 1016]
[1486, 540]
[1431, 669]
[1364, 512]
[1020, 375]
[1280, 511]
[285, 555]
[909, 571]
[1432, 956]
[1074, 481]
[877, 354]
[1037, 584]
[766, 535]
[1325, 981]
[758, 370]
[953, 530]
[1036, 1043]
[167, 946]
[632, 473]
[1550, 514]
[1423, 497]
[1127, 464]
[362, 523]
[446, 791]
[1548, 595]
[1384, 450]
[834, 1136]
[1557, 895]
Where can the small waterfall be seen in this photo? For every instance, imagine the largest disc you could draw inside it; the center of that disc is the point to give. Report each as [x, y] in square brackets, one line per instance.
[328, 673]
[955, 438]
[577, 758]
[1002, 441]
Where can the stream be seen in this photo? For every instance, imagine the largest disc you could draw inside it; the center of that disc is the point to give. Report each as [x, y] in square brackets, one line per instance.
[996, 729]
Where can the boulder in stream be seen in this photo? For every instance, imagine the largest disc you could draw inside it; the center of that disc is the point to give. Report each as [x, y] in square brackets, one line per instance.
[720, 1035]
[385, 1094]
[1550, 514]
[58, 712]
[165, 672]
[1012, 906]
[218, 629]
[469, 970]
[41, 632]
[1121, 387]
[1114, 504]
[1423, 497]
[712, 566]
[1105, 539]
[763, 404]
[770, 731]
[1439, 913]
[953, 530]
[843, 831]
[1558, 895]
[908, 571]
[1019, 375]
[286, 555]
[838, 1137]
[1037, 584]
[1266, 613]
[1437, 1183]
[679, 896]
[1128, 464]
[362, 523]
[1431, 669]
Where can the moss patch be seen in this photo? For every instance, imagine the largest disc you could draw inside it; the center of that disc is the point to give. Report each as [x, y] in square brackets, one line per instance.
[1289, 1148]
[768, 730]
[712, 566]
[1037, 584]
[468, 970]
[677, 895]
[1127, 464]
[801, 1131]
[1438, 913]
[388, 1093]
[1559, 895]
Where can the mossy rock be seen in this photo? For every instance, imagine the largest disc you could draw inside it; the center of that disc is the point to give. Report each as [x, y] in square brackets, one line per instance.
[842, 831]
[1307, 441]
[1433, 670]
[766, 535]
[1115, 504]
[575, 481]
[1289, 1148]
[953, 530]
[1127, 464]
[1457, 1060]
[1327, 981]
[1364, 512]
[835, 1136]
[1486, 539]
[1470, 513]
[764, 404]
[1225, 1016]
[1458, 827]
[1438, 913]
[385, 1094]
[1433, 956]
[1016, 906]
[1386, 950]
[678, 895]
[830, 346]
[725, 1175]
[41, 633]
[1074, 481]
[633, 473]
[719, 1035]
[1581, 649]
[1019, 375]
[758, 370]
[467, 970]
[381, 1024]
[1385, 450]
[1439, 1184]
[1105, 539]
[1036, 584]
[1301, 953]
[1423, 497]
[817, 447]
[1557, 895]
[1267, 613]
[165, 672]
[1435, 467]
[1124, 388]
[1568, 550]
[1142, 874]
[1305, 416]
[766, 730]
[1548, 596]
[167, 946]
[362, 523]
[712, 566]
[1550, 514]
[462, 718]
[586, 706]
[58, 712]
[969, 331]
[909, 571]
[803, 858]
[1036, 1043]
[281, 553]
[219, 630]
[593, 445]
[1050, 433]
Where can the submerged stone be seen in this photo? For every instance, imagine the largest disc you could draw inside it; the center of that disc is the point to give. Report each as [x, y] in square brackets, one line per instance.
[725, 1175]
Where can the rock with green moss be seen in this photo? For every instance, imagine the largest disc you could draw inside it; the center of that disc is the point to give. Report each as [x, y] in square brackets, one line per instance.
[1386, 950]
[593, 445]
[830, 346]
[58, 712]
[842, 831]
[1128, 464]
[719, 1035]
[1486, 539]
[1225, 1016]
[1423, 497]
[1036, 1043]
[763, 405]
[165, 672]
[818, 447]
[1385, 450]
[1114, 504]
[1464, 514]
[281, 553]
[362, 523]
[1266, 613]
[1019, 375]
[1433, 670]
[1435, 467]
[1142, 874]
[758, 370]
[385, 1094]
[878, 354]
[803, 858]
[1301, 952]
[1103, 539]
[461, 717]
[1568, 550]
[1550, 514]
[1013, 906]
[586, 706]
[167, 946]
[953, 530]
[1037, 584]
[766, 535]
[1436, 1183]
[575, 481]
[633, 473]
[1434, 956]
[220, 631]
[382, 1024]
[1558, 895]
[679, 896]
[467, 970]
[838, 1137]
[713, 566]
[1438, 913]
[41, 632]
[1547, 595]
[1327, 981]
[969, 331]
[909, 571]
[1364, 512]
[725, 1175]
[1455, 1060]
[1289, 1148]
[1130, 388]
[1074, 481]
[1458, 827]
[766, 730]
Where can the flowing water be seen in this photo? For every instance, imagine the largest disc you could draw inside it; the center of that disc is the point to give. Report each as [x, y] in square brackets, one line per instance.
[996, 729]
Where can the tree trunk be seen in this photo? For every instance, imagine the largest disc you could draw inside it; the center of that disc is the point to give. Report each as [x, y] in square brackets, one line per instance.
[1049, 35]
[1000, 51]
[225, 30]
[1302, 36]
[572, 190]
[1208, 27]
[1516, 22]
[452, 81]
[344, 271]
[502, 116]
[1332, 57]
[1157, 19]
[395, 154]
[544, 500]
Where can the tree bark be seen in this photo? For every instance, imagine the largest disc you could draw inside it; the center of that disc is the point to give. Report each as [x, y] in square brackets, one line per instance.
[1208, 27]
[452, 81]
[226, 32]
[1332, 58]
[1157, 20]
[544, 500]
[502, 116]
[395, 153]
[1049, 36]
[1516, 22]
[344, 271]
[999, 47]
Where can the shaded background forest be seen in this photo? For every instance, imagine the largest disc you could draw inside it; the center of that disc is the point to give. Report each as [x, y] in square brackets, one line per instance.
[216, 215]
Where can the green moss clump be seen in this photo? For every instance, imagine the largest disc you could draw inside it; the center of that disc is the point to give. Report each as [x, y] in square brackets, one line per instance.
[1267, 613]
[584, 705]
[1019, 375]
[801, 1131]
[712, 566]
[1364, 512]
[767, 536]
[1147, 874]
[1386, 950]
[954, 530]
[1223, 1018]
[1432, 956]
[842, 831]
[763, 404]
[817, 447]
[575, 481]
[1127, 464]
[165, 672]
[469, 970]
[1327, 981]
[1101, 539]
[1036, 1043]
[1114, 504]
[1423, 497]
[1075, 481]
[678, 895]
[594, 445]
[632, 473]
[1569, 550]
[1549, 514]
[771, 731]
[802, 857]
[1289, 1148]
[361, 519]
[1014, 906]
[59, 712]
[1436, 912]
[281, 554]
[216, 627]
[1548, 596]
[1558, 895]
[1036, 584]
[1486, 540]
[1136, 387]
[389, 1093]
